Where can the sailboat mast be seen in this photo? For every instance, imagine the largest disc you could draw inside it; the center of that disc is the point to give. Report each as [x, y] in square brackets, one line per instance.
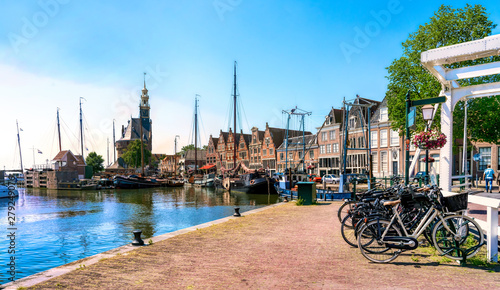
[81, 127]
[234, 132]
[108, 149]
[114, 142]
[196, 133]
[59, 130]
[19, 143]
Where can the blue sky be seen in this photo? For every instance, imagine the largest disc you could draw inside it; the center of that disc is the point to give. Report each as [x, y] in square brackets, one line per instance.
[289, 53]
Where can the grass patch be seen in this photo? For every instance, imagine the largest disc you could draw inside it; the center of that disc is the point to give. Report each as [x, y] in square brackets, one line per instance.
[300, 202]
[150, 241]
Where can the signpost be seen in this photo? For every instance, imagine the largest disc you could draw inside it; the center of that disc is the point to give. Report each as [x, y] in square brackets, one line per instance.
[409, 104]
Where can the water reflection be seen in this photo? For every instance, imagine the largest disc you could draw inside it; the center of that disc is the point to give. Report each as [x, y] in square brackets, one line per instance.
[58, 227]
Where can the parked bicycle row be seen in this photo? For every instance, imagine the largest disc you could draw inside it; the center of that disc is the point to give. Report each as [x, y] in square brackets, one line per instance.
[384, 222]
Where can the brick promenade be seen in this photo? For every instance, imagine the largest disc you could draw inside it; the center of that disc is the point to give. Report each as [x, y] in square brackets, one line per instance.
[283, 247]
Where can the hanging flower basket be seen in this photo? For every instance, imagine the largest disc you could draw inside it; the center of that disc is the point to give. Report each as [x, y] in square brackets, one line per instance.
[429, 140]
[430, 159]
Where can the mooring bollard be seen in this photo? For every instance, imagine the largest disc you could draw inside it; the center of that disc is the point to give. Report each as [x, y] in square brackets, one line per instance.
[236, 211]
[137, 238]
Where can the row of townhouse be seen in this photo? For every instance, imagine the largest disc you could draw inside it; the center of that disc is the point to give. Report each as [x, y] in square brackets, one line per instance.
[322, 153]
[255, 150]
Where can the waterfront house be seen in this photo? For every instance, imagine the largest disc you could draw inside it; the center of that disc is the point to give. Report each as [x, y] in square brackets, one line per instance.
[254, 149]
[212, 152]
[298, 154]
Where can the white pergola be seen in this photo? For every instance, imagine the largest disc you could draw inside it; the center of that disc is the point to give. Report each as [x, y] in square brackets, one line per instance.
[434, 60]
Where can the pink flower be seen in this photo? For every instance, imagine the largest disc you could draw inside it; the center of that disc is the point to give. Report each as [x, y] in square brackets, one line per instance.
[429, 140]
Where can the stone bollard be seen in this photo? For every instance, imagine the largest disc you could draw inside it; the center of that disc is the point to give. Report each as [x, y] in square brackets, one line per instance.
[137, 238]
[236, 211]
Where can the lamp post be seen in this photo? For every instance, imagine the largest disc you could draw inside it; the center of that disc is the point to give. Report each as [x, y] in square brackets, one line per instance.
[427, 111]
[409, 104]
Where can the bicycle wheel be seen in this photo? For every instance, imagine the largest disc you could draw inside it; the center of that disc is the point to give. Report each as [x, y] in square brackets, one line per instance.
[348, 230]
[370, 241]
[464, 236]
[344, 209]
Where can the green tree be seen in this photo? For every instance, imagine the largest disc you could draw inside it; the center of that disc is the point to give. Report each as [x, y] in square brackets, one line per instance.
[95, 161]
[190, 147]
[448, 26]
[132, 155]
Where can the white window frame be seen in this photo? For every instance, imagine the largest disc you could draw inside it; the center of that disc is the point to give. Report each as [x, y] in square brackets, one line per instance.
[374, 139]
[383, 138]
[394, 138]
[322, 149]
[384, 162]
[328, 148]
[335, 147]
[324, 136]
[384, 114]
[375, 161]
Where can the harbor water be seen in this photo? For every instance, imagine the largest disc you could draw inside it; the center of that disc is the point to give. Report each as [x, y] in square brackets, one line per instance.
[54, 228]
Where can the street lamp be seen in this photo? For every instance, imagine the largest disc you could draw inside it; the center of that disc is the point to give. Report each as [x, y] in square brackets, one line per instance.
[427, 112]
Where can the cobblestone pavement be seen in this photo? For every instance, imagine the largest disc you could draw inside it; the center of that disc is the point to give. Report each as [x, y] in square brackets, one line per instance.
[284, 247]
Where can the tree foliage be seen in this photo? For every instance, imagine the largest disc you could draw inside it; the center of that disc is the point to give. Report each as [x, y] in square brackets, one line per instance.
[132, 155]
[190, 147]
[447, 26]
[95, 161]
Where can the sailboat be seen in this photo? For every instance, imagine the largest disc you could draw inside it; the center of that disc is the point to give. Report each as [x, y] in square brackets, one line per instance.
[252, 181]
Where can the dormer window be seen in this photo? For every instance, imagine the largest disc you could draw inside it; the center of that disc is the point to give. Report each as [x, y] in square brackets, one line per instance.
[383, 115]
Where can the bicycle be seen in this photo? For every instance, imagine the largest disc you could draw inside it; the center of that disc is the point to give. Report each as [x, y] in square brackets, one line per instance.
[454, 235]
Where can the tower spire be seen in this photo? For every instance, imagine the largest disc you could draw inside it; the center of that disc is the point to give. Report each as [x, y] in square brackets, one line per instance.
[144, 80]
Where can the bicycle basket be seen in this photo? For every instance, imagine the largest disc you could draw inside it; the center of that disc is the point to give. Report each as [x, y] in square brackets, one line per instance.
[456, 202]
[407, 200]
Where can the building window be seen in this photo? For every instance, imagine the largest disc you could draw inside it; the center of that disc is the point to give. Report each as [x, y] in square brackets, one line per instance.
[323, 136]
[329, 148]
[300, 154]
[268, 141]
[281, 156]
[290, 156]
[383, 161]
[383, 115]
[485, 158]
[352, 123]
[374, 162]
[394, 138]
[374, 139]
[322, 149]
[383, 138]
[332, 135]
[335, 148]
[264, 152]
[242, 145]
[311, 154]
[271, 151]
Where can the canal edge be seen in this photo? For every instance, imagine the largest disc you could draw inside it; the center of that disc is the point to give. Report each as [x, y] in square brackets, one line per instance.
[66, 268]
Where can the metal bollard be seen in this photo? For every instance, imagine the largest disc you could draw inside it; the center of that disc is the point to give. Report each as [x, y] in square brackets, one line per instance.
[137, 238]
[236, 211]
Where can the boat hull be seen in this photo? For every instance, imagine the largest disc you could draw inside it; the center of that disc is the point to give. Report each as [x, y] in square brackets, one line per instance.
[4, 192]
[129, 183]
[254, 186]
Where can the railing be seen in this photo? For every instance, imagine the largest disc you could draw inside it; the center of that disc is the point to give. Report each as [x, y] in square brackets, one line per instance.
[491, 224]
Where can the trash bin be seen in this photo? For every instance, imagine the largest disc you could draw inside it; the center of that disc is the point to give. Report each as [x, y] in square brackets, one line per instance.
[307, 192]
